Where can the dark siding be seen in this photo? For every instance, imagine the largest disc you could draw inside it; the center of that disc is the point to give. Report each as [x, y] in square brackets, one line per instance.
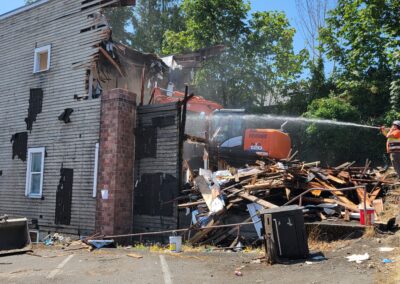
[157, 168]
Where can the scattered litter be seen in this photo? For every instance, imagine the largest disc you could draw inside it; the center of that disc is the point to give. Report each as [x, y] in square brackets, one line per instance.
[358, 258]
[57, 238]
[385, 249]
[239, 247]
[315, 257]
[238, 273]
[100, 243]
[48, 242]
[318, 258]
[387, 260]
[134, 255]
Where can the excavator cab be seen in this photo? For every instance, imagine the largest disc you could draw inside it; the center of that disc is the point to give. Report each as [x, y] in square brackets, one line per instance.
[226, 124]
[232, 140]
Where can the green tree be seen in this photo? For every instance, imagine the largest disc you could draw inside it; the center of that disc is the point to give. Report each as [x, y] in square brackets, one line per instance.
[208, 23]
[332, 108]
[258, 63]
[119, 19]
[335, 143]
[151, 19]
[363, 38]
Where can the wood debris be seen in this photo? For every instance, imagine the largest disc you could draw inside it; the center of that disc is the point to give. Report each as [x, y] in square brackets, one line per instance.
[134, 255]
[322, 191]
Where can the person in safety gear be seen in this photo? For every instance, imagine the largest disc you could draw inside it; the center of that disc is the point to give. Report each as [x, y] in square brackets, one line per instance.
[393, 144]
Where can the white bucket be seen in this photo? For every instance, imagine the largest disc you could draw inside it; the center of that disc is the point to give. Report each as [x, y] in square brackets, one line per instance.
[175, 243]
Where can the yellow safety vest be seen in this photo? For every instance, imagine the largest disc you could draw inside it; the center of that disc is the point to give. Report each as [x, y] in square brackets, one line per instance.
[393, 145]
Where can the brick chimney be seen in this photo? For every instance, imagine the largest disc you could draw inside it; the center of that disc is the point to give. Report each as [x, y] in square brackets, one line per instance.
[116, 163]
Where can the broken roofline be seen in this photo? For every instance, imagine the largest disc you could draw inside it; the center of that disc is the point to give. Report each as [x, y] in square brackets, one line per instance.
[41, 2]
[22, 9]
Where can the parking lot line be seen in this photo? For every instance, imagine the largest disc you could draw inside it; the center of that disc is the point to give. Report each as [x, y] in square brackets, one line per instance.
[54, 272]
[165, 270]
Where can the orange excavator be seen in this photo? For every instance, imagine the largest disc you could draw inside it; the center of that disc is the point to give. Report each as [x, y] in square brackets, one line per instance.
[227, 135]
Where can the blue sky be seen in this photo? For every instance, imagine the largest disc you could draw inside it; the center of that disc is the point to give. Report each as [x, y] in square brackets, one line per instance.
[287, 6]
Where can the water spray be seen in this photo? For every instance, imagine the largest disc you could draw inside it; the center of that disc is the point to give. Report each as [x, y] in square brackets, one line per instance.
[310, 120]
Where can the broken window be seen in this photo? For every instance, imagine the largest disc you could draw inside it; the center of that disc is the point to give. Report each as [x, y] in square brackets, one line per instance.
[42, 59]
[34, 173]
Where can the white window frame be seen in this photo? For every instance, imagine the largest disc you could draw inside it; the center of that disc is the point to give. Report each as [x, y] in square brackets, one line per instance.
[36, 62]
[28, 173]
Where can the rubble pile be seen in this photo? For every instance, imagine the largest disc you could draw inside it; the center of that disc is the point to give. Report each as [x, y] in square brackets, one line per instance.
[337, 193]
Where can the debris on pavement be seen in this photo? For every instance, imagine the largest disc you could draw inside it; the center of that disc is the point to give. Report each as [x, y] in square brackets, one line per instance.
[134, 255]
[358, 258]
[100, 243]
[387, 260]
[386, 249]
[327, 194]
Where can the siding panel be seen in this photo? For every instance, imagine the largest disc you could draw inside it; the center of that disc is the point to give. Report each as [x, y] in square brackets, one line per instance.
[72, 145]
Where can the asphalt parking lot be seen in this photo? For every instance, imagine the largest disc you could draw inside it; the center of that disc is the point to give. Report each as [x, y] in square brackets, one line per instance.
[113, 265]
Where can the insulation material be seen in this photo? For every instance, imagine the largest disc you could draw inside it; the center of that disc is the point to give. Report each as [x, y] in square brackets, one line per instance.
[65, 116]
[64, 197]
[35, 107]
[20, 145]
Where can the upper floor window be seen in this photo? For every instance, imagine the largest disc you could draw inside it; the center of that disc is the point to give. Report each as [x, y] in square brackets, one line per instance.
[34, 173]
[42, 59]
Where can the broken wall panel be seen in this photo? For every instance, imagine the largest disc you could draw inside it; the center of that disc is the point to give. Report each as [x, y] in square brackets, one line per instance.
[87, 4]
[35, 107]
[19, 145]
[66, 115]
[115, 60]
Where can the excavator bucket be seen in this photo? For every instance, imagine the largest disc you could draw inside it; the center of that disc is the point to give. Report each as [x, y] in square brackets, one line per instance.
[14, 235]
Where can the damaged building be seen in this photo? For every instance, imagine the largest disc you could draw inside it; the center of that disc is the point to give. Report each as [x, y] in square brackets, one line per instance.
[71, 115]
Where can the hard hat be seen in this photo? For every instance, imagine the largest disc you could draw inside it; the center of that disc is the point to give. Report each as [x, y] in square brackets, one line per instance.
[396, 122]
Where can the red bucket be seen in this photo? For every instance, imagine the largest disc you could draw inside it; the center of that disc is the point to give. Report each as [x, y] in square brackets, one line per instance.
[369, 218]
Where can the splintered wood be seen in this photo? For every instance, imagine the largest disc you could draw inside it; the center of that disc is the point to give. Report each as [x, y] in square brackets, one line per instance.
[269, 185]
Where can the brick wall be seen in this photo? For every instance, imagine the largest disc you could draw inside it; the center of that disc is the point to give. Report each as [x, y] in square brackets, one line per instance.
[116, 162]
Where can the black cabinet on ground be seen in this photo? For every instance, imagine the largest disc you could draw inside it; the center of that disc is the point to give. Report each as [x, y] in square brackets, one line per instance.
[284, 233]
